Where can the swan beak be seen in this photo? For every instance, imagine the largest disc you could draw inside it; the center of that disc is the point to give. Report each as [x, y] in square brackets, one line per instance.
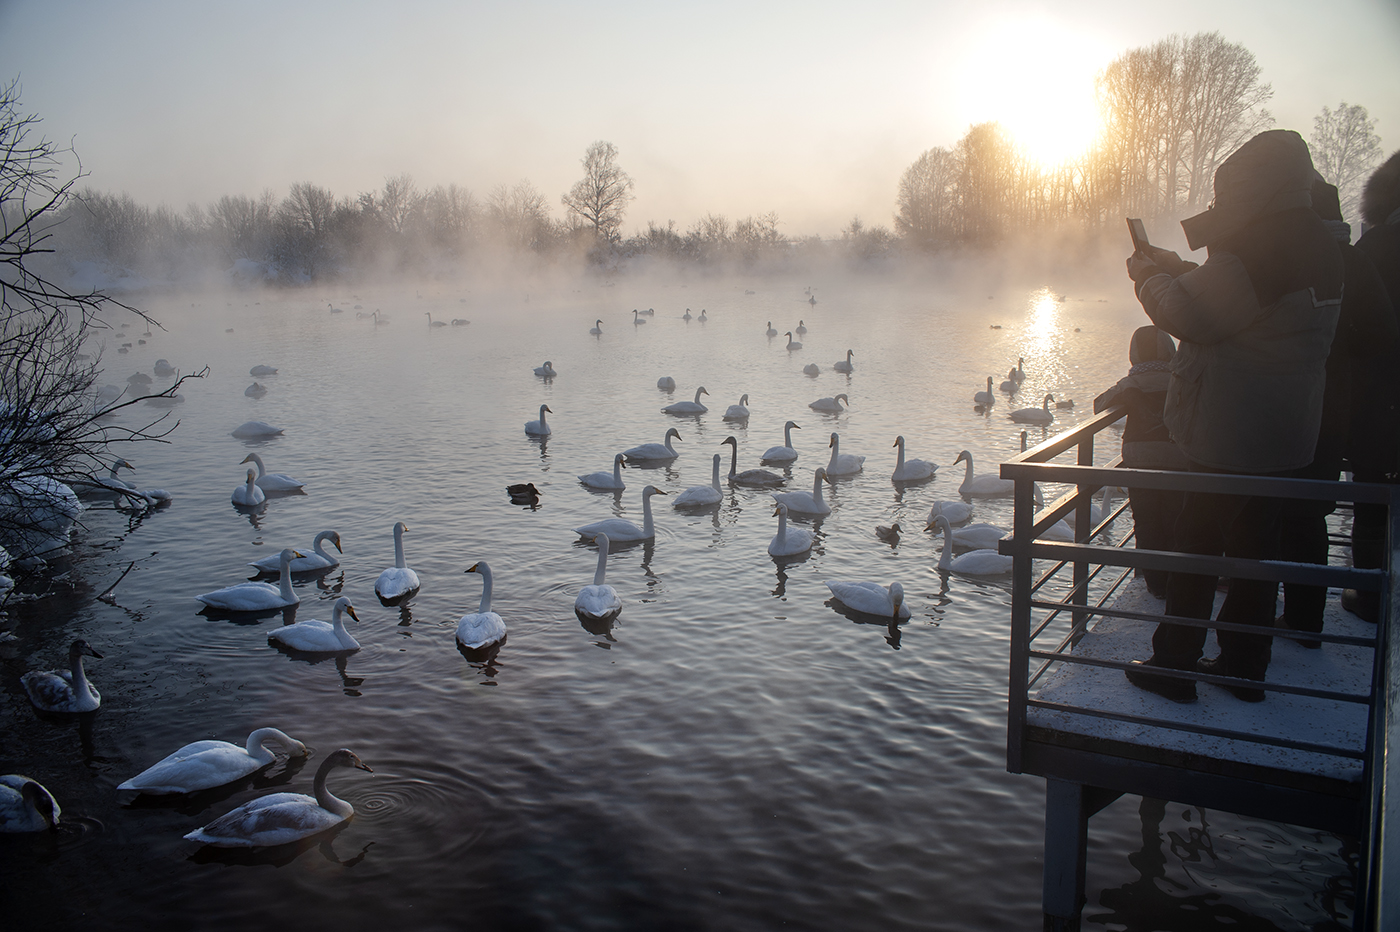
[472, 568]
[959, 459]
[87, 649]
[797, 427]
[896, 443]
[246, 459]
[350, 610]
[298, 555]
[549, 409]
[336, 540]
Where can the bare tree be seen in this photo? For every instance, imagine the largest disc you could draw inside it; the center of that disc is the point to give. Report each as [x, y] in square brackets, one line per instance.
[1345, 148]
[242, 227]
[521, 215]
[926, 200]
[600, 197]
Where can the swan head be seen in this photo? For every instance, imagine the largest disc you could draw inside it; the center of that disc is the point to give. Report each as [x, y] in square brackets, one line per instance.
[547, 365]
[287, 556]
[480, 566]
[835, 439]
[898, 442]
[792, 424]
[964, 455]
[652, 490]
[1046, 403]
[602, 541]
[400, 528]
[744, 399]
[42, 802]
[896, 598]
[673, 433]
[334, 537]
[823, 477]
[81, 648]
[252, 476]
[780, 510]
[120, 463]
[344, 757]
[944, 525]
[621, 460]
[545, 409]
[731, 441]
[701, 391]
[842, 397]
[342, 604]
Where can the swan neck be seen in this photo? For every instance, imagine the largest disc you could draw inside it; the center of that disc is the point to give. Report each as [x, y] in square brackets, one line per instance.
[733, 460]
[817, 488]
[787, 436]
[485, 572]
[257, 750]
[284, 582]
[835, 453]
[945, 558]
[325, 798]
[80, 683]
[398, 548]
[600, 573]
[968, 473]
[319, 545]
[899, 463]
[617, 472]
[714, 480]
[542, 407]
[257, 461]
[646, 516]
[782, 527]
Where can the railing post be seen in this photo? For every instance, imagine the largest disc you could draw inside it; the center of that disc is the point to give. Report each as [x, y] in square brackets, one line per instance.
[1378, 900]
[1023, 519]
[1079, 621]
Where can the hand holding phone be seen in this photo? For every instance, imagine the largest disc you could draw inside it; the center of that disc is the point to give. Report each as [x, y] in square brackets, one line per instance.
[1139, 234]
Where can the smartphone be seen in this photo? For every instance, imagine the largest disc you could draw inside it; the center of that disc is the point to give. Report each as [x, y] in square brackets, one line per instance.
[1139, 234]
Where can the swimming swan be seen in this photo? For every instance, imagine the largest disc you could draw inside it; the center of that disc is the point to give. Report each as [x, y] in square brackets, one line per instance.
[597, 327]
[844, 365]
[754, 478]
[104, 486]
[807, 503]
[655, 451]
[666, 383]
[539, 428]
[398, 581]
[248, 494]
[843, 464]
[1019, 373]
[1011, 384]
[770, 332]
[789, 541]
[985, 485]
[636, 320]
[319, 637]
[811, 369]
[1039, 415]
[318, 559]
[977, 536]
[701, 495]
[785, 453]
[64, 690]
[252, 430]
[830, 405]
[911, 470]
[204, 765]
[955, 512]
[791, 343]
[738, 412]
[482, 627]
[271, 481]
[607, 480]
[688, 407]
[985, 398]
[622, 530]
[26, 805]
[257, 596]
[546, 371]
[434, 323]
[600, 601]
[801, 328]
[870, 598]
[972, 563]
[282, 818]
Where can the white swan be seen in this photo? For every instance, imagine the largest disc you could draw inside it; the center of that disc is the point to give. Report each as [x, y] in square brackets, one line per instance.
[597, 327]
[398, 580]
[702, 318]
[807, 503]
[830, 405]
[621, 530]
[163, 368]
[789, 541]
[977, 536]
[650, 312]
[257, 596]
[655, 451]
[801, 328]
[460, 322]
[259, 371]
[26, 805]
[666, 383]
[1019, 373]
[482, 627]
[811, 369]
[686, 316]
[249, 494]
[1010, 384]
[911, 470]
[870, 598]
[843, 464]
[701, 495]
[64, 690]
[844, 365]
[972, 563]
[770, 332]
[204, 765]
[738, 412]
[1097, 511]
[688, 407]
[754, 478]
[785, 453]
[600, 601]
[107, 486]
[636, 320]
[985, 398]
[434, 323]
[956, 512]
[546, 371]
[607, 480]
[282, 818]
[985, 485]
[1039, 415]
[319, 637]
[272, 481]
[539, 428]
[318, 559]
[255, 390]
[252, 430]
[791, 343]
[37, 514]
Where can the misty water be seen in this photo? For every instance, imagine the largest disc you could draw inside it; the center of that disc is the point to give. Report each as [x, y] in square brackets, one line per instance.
[732, 753]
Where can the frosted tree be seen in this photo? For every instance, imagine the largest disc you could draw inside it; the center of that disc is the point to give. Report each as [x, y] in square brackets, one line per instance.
[600, 197]
[1345, 148]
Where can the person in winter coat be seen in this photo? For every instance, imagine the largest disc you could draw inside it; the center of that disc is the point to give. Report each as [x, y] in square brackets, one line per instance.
[1255, 323]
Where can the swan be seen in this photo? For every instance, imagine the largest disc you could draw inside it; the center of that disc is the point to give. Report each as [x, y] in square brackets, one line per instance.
[249, 494]
[791, 343]
[655, 451]
[701, 495]
[666, 383]
[977, 536]
[956, 512]
[599, 601]
[64, 690]
[770, 332]
[686, 316]
[319, 637]
[1024, 439]
[650, 312]
[911, 470]
[272, 481]
[972, 563]
[37, 514]
[1039, 415]
[434, 323]
[811, 369]
[105, 486]
[807, 503]
[844, 365]
[688, 407]
[738, 412]
[258, 371]
[870, 598]
[788, 541]
[985, 398]
[398, 580]
[318, 559]
[985, 485]
[607, 480]
[483, 627]
[830, 405]
[785, 453]
[597, 327]
[1010, 384]
[801, 328]
[282, 818]
[255, 390]
[204, 765]
[26, 805]
[163, 368]
[539, 428]
[843, 464]
[1019, 373]
[702, 318]
[257, 596]
[252, 430]
[546, 371]
[459, 322]
[636, 320]
[888, 534]
[621, 530]
[754, 478]
[1097, 512]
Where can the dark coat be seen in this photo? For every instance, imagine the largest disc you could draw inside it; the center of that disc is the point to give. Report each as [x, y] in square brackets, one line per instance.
[1374, 445]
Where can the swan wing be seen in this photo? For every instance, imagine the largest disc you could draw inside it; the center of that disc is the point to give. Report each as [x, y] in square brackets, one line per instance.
[312, 637]
[245, 597]
[198, 766]
[616, 528]
[480, 629]
[598, 601]
[395, 581]
[277, 819]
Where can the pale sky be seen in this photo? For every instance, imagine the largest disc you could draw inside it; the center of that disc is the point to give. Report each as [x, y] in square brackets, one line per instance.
[809, 109]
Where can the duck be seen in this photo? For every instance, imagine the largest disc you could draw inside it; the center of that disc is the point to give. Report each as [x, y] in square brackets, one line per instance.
[843, 464]
[253, 430]
[844, 365]
[785, 453]
[889, 535]
[701, 495]
[204, 765]
[666, 383]
[398, 581]
[830, 405]
[870, 598]
[770, 332]
[754, 478]
[597, 327]
[986, 397]
[539, 428]
[620, 530]
[655, 451]
[434, 323]
[688, 407]
[546, 371]
[26, 805]
[483, 627]
[282, 818]
[256, 390]
[956, 512]
[801, 328]
[260, 371]
[1010, 384]
[636, 318]
[319, 637]
[807, 503]
[64, 690]
[257, 596]
[983, 486]
[524, 493]
[972, 563]
[811, 369]
[1019, 373]
[791, 343]
[1066, 405]
[738, 412]
[911, 470]
[249, 495]
[600, 601]
[271, 481]
[315, 561]
[789, 541]
[611, 481]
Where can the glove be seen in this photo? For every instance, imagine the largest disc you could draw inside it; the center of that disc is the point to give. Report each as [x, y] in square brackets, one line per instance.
[1140, 268]
[1168, 261]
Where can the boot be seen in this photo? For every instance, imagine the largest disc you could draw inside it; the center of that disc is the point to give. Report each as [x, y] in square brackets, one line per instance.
[1168, 687]
[1217, 667]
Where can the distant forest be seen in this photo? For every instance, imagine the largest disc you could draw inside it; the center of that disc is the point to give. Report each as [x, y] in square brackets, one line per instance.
[1171, 113]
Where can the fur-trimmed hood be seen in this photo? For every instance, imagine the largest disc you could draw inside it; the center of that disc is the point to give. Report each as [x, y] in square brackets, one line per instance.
[1381, 197]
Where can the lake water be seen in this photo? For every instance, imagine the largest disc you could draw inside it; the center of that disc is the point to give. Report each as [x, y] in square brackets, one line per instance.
[733, 753]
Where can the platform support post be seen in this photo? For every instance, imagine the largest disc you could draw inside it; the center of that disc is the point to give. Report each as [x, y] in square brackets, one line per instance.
[1068, 807]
